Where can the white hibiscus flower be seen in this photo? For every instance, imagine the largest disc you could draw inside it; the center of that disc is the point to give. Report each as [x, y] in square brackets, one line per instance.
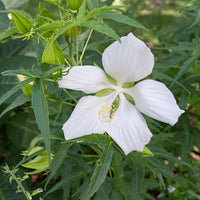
[127, 62]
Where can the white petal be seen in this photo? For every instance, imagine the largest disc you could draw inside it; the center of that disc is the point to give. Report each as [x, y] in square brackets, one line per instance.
[128, 61]
[154, 99]
[128, 128]
[84, 119]
[88, 79]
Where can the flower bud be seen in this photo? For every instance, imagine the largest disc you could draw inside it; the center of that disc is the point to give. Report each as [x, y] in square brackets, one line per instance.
[74, 4]
[52, 53]
[73, 31]
[27, 89]
[22, 23]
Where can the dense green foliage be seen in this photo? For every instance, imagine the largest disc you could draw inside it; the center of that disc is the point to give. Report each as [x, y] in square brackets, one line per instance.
[49, 35]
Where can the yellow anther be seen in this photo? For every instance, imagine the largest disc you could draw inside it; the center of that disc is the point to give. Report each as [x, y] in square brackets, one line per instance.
[106, 112]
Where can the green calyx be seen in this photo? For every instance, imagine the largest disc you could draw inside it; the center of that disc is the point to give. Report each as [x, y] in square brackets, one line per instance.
[104, 92]
[146, 152]
[128, 85]
[111, 79]
[129, 98]
[52, 53]
[116, 102]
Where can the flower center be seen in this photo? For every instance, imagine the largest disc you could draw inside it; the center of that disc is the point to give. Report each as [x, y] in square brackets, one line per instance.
[106, 112]
[118, 89]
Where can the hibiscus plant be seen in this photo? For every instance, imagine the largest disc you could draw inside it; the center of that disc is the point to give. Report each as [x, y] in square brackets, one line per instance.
[92, 107]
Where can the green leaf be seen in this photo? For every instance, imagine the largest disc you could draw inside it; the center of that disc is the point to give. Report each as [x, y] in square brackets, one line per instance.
[196, 21]
[160, 153]
[54, 2]
[55, 25]
[92, 4]
[75, 176]
[7, 33]
[92, 139]
[102, 28]
[64, 28]
[22, 23]
[128, 85]
[44, 17]
[122, 19]
[18, 102]
[14, 89]
[4, 23]
[164, 76]
[40, 108]
[22, 124]
[104, 92]
[44, 14]
[100, 172]
[57, 161]
[10, 4]
[138, 176]
[48, 69]
[99, 11]
[117, 164]
[52, 53]
[185, 66]
[160, 168]
[81, 11]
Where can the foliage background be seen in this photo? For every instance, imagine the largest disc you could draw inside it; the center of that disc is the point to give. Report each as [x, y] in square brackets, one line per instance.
[172, 173]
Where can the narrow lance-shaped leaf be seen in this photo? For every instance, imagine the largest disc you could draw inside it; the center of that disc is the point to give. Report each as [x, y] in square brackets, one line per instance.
[196, 21]
[138, 176]
[7, 33]
[100, 172]
[99, 11]
[122, 19]
[14, 89]
[18, 102]
[48, 69]
[57, 161]
[185, 67]
[64, 28]
[45, 17]
[81, 12]
[164, 76]
[102, 28]
[92, 139]
[40, 108]
[117, 164]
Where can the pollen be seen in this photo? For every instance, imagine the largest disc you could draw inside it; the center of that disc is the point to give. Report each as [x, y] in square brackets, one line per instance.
[106, 112]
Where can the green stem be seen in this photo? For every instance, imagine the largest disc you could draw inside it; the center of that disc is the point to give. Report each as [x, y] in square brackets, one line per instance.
[77, 50]
[1, 195]
[59, 111]
[20, 185]
[43, 40]
[70, 95]
[52, 100]
[71, 104]
[80, 61]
